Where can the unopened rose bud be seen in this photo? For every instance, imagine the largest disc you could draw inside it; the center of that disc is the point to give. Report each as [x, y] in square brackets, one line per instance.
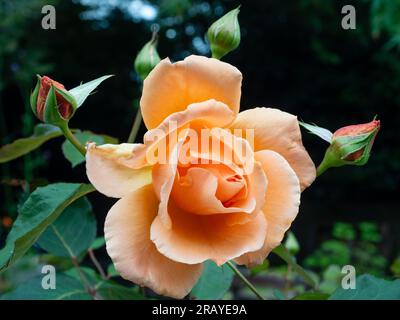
[51, 102]
[147, 59]
[351, 145]
[224, 34]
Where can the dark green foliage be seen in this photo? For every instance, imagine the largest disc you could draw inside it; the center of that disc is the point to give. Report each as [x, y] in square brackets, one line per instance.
[370, 288]
[40, 210]
[350, 245]
[213, 283]
[72, 233]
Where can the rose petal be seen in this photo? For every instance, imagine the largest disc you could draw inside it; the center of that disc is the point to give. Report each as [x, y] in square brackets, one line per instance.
[257, 187]
[220, 146]
[279, 131]
[229, 183]
[107, 169]
[200, 190]
[171, 87]
[127, 234]
[163, 181]
[197, 194]
[196, 238]
[208, 114]
[205, 114]
[281, 205]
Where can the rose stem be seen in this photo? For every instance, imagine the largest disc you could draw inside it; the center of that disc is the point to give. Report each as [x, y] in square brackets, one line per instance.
[244, 279]
[142, 291]
[71, 138]
[84, 280]
[97, 264]
[321, 169]
[135, 126]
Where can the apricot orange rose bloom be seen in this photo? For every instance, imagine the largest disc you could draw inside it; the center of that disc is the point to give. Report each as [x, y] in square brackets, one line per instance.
[183, 202]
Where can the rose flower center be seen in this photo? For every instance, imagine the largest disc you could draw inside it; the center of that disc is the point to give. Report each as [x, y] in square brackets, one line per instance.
[202, 185]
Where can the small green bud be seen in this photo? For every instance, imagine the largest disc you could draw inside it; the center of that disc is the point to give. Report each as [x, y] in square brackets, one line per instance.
[147, 59]
[224, 34]
[291, 243]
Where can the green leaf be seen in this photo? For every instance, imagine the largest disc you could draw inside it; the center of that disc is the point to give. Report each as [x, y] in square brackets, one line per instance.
[106, 289]
[81, 92]
[67, 288]
[20, 147]
[369, 287]
[98, 243]
[39, 211]
[72, 233]
[60, 263]
[395, 267]
[344, 231]
[42, 133]
[323, 133]
[214, 282]
[109, 290]
[285, 255]
[73, 155]
[279, 295]
[312, 296]
[70, 287]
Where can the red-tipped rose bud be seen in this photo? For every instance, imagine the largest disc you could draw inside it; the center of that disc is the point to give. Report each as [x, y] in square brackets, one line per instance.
[350, 145]
[63, 105]
[370, 128]
[51, 102]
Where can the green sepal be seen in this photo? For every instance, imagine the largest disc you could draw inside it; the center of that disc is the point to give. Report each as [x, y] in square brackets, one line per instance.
[34, 96]
[69, 98]
[81, 92]
[51, 113]
[349, 145]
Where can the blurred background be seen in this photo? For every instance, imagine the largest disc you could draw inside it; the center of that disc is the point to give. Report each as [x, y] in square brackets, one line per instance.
[293, 55]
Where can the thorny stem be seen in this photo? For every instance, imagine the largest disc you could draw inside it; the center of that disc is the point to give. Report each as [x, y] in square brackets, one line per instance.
[244, 280]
